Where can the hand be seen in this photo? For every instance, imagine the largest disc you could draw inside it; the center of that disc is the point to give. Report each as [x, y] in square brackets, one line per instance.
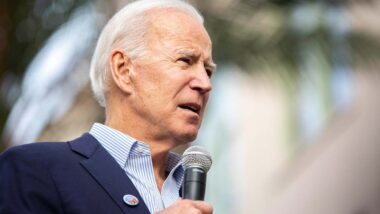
[184, 206]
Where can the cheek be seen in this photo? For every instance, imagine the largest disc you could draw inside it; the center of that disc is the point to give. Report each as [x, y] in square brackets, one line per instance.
[205, 98]
[147, 79]
[156, 73]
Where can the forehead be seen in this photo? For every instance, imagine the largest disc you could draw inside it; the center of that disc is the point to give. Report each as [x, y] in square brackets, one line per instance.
[172, 26]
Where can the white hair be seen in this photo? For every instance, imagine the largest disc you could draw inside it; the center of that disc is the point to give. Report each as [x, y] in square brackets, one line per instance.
[127, 30]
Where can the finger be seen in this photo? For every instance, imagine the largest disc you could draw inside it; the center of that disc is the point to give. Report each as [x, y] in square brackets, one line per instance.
[203, 206]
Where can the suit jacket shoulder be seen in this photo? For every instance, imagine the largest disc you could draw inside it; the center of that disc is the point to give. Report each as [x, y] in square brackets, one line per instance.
[64, 177]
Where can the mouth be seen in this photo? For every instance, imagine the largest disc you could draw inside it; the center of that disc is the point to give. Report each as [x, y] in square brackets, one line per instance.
[193, 107]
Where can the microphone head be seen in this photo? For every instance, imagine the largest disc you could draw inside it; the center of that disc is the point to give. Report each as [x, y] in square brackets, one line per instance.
[196, 156]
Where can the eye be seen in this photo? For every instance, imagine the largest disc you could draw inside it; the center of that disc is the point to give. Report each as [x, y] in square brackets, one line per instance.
[185, 60]
[209, 72]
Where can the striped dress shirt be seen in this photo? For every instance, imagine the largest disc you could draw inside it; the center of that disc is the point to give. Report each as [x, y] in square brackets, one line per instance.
[134, 157]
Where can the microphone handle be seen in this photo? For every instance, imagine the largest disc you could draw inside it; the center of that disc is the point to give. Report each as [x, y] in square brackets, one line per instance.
[194, 184]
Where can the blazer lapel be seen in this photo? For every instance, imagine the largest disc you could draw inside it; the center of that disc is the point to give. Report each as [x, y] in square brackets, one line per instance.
[105, 170]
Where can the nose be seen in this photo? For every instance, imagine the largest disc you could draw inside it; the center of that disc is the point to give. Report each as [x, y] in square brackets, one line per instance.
[201, 81]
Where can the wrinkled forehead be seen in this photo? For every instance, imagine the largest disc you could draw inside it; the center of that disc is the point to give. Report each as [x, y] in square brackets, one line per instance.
[171, 24]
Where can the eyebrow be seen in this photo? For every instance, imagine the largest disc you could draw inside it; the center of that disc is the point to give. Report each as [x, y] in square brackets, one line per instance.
[211, 65]
[187, 52]
[190, 53]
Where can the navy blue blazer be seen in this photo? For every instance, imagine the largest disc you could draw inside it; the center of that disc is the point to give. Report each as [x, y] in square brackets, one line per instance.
[76, 177]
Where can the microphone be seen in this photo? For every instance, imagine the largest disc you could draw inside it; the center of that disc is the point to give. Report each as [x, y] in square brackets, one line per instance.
[196, 161]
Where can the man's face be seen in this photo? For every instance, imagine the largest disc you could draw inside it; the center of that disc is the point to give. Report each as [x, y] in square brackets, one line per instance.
[172, 82]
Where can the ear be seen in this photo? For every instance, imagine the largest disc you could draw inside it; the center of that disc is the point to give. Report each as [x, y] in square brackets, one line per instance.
[120, 70]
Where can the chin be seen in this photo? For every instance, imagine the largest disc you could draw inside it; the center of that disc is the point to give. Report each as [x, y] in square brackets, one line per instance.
[187, 137]
[185, 133]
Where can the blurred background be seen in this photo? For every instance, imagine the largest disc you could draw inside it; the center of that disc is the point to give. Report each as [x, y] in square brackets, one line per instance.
[293, 122]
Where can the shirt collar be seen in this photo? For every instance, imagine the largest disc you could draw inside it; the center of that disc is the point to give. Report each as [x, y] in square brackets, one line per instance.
[175, 169]
[121, 146]
[116, 143]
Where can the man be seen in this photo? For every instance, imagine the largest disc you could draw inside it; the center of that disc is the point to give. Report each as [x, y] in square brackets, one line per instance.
[151, 71]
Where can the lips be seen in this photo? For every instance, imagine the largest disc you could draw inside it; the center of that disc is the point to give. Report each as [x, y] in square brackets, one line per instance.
[194, 107]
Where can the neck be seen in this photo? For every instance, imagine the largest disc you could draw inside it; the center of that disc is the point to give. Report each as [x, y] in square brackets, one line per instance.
[159, 148]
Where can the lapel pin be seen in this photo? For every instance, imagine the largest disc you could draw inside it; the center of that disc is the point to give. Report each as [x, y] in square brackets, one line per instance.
[131, 200]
